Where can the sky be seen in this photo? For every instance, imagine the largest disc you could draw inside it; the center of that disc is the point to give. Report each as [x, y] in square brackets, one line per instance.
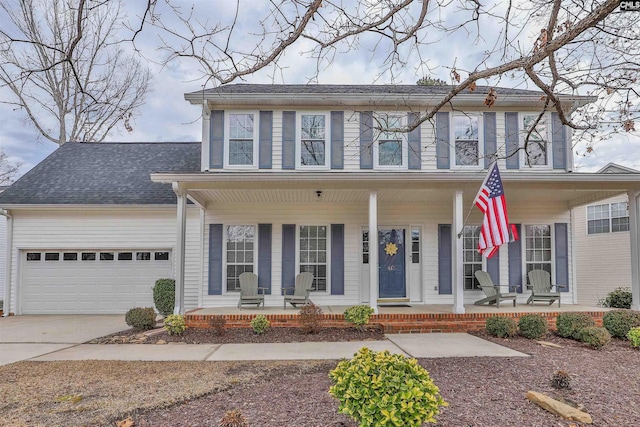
[166, 116]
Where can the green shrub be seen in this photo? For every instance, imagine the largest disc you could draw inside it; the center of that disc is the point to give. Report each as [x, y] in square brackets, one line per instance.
[595, 337]
[217, 323]
[384, 389]
[174, 324]
[570, 324]
[358, 314]
[618, 298]
[141, 319]
[634, 336]
[561, 380]
[310, 318]
[618, 322]
[533, 326]
[500, 326]
[164, 296]
[260, 324]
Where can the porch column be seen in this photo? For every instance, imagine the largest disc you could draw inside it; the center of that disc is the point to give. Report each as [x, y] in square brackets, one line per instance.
[373, 250]
[180, 244]
[634, 238]
[458, 272]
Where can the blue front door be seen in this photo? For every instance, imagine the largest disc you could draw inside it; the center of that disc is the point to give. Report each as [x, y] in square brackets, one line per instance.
[391, 256]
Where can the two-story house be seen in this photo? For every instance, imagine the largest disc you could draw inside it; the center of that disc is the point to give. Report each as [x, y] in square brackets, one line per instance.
[293, 178]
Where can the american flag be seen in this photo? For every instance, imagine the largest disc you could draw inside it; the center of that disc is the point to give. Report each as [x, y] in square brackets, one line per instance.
[495, 226]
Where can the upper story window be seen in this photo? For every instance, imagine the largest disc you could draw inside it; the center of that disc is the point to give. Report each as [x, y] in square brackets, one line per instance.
[607, 218]
[241, 141]
[313, 144]
[537, 152]
[390, 149]
[468, 139]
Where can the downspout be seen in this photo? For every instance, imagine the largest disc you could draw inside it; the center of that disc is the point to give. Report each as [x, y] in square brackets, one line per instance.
[8, 259]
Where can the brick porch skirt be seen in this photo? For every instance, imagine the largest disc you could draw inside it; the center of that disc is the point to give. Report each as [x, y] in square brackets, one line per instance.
[390, 323]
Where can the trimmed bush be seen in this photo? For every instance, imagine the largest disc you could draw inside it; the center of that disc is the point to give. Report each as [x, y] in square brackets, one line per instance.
[533, 326]
[384, 389]
[595, 337]
[310, 318]
[561, 380]
[570, 324]
[358, 315]
[260, 324]
[174, 324]
[634, 337]
[618, 298]
[501, 327]
[619, 322]
[141, 318]
[164, 296]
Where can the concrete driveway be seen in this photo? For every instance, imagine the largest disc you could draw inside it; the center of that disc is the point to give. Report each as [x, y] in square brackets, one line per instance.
[28, 336]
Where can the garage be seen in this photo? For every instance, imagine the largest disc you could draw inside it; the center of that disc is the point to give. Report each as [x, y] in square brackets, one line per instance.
[90, 281]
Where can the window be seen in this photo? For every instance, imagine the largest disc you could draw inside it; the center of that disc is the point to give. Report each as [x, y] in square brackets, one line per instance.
[466, 134]
[106, 256]
[88, 256]
[143, 256]
[161, 256]
[365, 247]
[314, 148]
[538, 248]
[52, 256]
[471, 258]
[70, 256]
[34, 256]
[125, 256]
[607, 218]
[313, 254]
[390, 150]
[415, 245]
[537, 153]
[241, 140]
[240, 250]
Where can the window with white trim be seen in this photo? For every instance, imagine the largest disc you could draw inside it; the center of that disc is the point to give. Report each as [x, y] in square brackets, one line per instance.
[240, 246]
[607, 218]
[365, 246]
[313, 143]
[390, 150]
[468, 140]
[313, 254]
[537, 152]
[241, 140]
[471, 258]
[537, 248]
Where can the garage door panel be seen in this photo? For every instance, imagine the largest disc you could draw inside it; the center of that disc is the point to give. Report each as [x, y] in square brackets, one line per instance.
[89, 286]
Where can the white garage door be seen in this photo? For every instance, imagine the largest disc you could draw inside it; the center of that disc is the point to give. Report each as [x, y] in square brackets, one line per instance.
[90, 281]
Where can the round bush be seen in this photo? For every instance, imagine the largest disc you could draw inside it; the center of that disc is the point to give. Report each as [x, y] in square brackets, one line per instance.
[595, 337]
[164, 296]
[310, 318]
[260, 324]
[140, 318]
[634, 337]
[618, 298]
[384, 389]
[619, 322]
[570, 324]
[358, 314]
[533, 326]
[502, 327]
[174, 324]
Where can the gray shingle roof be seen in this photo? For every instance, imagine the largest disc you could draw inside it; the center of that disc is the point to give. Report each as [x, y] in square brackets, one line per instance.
[104, 173]
[243, 88]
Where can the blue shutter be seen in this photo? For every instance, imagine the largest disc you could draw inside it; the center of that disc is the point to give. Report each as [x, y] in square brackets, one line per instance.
[443, 147]
[337, 140]
[264, 257]
[216, 140]
[265, 140]
[515, 261]
[288, 140]
[414, 137]
[288, 255]
[493, 268]
[215, 259]
[562, 255]
[445, 280]
[337, 259]
[490, 141]
[558, 142]
[366, 140]
[512, 139]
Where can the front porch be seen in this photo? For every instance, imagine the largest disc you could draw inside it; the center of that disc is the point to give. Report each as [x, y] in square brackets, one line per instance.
[414, 318]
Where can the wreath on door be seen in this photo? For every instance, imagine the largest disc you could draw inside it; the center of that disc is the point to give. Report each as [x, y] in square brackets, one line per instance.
[391, 249]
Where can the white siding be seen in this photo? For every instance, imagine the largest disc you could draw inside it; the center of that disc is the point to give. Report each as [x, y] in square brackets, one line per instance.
[3, 252]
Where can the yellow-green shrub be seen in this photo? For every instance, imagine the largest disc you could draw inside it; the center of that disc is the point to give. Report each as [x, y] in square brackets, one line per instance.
[260, 324]
[634, 337]
[174, 324]
[358, 314]
[383, 389]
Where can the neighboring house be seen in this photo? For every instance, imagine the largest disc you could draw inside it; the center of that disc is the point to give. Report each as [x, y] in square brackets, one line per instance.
[292, 178]
[602, 244]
